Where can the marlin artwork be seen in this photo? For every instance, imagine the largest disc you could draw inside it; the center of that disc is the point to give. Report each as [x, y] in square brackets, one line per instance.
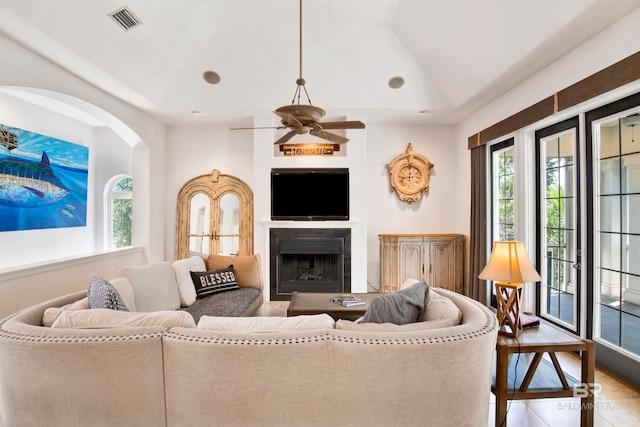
[43, 181]
[28, 184]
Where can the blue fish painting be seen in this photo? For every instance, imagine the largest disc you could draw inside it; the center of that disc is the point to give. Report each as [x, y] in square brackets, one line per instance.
[43, 182]
[26, 184]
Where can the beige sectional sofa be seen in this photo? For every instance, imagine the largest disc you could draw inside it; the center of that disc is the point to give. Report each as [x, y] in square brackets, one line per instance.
[307, 371]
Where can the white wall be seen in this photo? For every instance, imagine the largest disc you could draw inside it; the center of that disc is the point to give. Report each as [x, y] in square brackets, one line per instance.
[22, 70]
[435, 212]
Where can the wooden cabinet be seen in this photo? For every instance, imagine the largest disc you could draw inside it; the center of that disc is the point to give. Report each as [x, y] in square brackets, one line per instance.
[434, 258]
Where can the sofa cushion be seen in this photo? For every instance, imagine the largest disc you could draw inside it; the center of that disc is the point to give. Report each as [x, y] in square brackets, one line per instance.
[214, 282]
[125, 290]
[154, 286]
[405, 306]
[102, 294]
[103, 318]
[392, 327]
[440, 307]
[51, 314]
[183, 269]
[239, 303]
[266, 324]
[247, 268]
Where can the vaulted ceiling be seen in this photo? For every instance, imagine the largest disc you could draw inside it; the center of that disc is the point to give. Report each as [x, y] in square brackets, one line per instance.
[454, 56]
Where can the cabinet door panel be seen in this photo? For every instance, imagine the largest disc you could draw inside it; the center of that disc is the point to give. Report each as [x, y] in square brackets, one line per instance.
[412, 260]
[442, 268]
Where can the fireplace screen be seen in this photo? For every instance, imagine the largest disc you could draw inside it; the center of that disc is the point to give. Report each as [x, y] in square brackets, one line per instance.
[307, 260]
[311, 273]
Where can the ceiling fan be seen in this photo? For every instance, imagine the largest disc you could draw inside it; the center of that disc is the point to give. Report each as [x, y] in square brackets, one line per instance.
[304, 118]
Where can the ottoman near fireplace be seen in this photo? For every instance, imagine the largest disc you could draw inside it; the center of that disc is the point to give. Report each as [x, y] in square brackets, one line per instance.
[309, 260]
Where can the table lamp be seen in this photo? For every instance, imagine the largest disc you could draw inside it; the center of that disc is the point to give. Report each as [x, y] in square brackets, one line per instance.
[509, 267]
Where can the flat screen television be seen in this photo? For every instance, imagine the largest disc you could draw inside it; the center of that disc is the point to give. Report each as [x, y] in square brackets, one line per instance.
[310, 194]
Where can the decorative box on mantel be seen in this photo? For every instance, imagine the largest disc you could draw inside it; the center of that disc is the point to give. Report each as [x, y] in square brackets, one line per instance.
[437, 259]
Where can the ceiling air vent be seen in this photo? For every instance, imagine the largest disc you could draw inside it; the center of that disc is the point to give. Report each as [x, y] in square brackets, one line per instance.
[125, 18]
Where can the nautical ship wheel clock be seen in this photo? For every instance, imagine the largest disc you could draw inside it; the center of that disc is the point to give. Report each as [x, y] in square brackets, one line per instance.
[409, 175]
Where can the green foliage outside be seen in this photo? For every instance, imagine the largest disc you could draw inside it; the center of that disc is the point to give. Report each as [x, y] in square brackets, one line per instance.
[122, 222]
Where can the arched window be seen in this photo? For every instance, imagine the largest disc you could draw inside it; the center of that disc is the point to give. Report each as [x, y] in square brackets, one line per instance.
[119, 209]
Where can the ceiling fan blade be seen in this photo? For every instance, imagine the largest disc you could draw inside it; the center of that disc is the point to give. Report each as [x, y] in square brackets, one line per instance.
[260, 127]
[289, 118]
[329, 136]
[287, 136]
[352, 124]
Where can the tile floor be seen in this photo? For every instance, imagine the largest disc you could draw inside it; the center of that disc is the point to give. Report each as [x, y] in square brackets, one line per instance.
[617, 405]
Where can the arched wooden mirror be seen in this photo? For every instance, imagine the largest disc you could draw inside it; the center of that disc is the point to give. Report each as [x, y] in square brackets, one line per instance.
[215, 216]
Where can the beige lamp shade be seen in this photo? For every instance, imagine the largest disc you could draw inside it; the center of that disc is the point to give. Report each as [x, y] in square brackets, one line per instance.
[509, 263]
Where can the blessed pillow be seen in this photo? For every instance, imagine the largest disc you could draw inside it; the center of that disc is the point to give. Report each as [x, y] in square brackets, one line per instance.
[440, 307]
[213, 282]
[405, 306]
[267, 324]
[103, 318]
[183, 269]
[102, 294]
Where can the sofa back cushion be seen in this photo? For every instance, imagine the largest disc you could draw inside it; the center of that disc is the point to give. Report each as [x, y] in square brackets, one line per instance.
[106, 318]
[51, 313]
[125, 290]
[267, 324]
[154, 286]
[440, 307]
[246, 268]
[392, 327]
[183, 269]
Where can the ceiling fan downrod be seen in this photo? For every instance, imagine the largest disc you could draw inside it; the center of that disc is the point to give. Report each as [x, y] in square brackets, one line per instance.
[300, 82]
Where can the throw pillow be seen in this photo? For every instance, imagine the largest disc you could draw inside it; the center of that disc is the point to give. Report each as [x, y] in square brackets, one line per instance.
[267, 324]
[215, 281]
[101, 318]
[246, 268]
[405, 306]
[407, 283]
[440, 307]
[183, 269]
[154, 286]
[102, 294]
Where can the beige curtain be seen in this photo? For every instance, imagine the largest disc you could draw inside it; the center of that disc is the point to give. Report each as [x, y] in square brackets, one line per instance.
[478, 234]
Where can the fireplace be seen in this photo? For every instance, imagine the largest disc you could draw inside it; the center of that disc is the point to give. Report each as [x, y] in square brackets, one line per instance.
[309, 260]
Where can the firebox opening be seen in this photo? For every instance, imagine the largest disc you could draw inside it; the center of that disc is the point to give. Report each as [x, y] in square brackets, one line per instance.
[309, 260]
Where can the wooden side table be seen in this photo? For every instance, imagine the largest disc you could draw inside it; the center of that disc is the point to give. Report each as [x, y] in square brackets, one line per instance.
[546, 338]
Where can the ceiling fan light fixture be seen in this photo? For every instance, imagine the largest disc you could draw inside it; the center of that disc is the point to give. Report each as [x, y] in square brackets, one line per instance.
[211, 77]
[396, 82]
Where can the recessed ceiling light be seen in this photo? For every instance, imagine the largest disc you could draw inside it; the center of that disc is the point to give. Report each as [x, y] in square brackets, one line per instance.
[211, 77]
[396, 82]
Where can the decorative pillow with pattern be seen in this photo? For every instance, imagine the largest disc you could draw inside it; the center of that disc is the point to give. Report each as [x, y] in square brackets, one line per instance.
[215, 281]
[102, 294]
